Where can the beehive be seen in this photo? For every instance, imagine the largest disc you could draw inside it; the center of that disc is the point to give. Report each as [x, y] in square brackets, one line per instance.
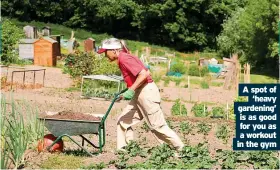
[89, 45]
[26, 48]
[45, 52]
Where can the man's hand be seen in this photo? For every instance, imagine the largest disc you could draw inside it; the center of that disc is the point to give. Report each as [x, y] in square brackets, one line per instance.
[128, 95]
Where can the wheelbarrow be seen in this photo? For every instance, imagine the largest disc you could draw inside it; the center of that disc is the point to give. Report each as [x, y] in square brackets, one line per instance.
[68, 128]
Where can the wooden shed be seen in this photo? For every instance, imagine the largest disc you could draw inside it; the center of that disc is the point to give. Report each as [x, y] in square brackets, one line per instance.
[45, 52]
[26, 48]
[89, 45]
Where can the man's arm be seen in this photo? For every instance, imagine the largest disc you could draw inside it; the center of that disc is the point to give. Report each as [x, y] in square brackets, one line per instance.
[141, 78]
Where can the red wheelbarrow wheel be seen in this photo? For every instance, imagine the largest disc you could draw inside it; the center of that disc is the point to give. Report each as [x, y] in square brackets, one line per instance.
[47, 141]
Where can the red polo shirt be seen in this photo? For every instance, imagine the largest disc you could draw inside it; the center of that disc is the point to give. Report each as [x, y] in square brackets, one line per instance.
[130, 67]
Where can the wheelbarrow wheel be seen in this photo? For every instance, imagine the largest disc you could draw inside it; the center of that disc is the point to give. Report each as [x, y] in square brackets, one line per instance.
[47, 141]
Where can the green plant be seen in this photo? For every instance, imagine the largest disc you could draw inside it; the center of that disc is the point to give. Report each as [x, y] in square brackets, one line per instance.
[178, 67]
[10, 37]
[259, 159]
[193, 70]
[204, 85]
[203, 128]
[159, 157]
[223, 133]
[16, 136]
[264, 160]
[177, 81]
[156, 77]
[200, 110]
[166, 81]
[178, 108]
[170, 124]
[121, 162]
[231, 159]
[197, 157]
[185, 128]
[218, 112]
[95, 166]
[145, 127]
[133, 149]
[231, 109]
[17, 132]
[81, 63]
[203, 71]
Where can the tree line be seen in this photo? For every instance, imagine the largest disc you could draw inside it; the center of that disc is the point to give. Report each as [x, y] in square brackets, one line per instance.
[248, 27]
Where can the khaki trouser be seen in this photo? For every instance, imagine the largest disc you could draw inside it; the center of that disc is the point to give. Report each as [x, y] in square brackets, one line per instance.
[146, 104]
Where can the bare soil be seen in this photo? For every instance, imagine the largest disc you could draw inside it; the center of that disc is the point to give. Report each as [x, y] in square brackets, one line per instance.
[54, 97]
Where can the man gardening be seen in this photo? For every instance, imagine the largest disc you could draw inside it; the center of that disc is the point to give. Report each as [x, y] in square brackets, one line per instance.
[144, 98]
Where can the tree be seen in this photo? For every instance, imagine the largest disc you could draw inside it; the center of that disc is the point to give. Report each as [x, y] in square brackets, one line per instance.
[10, 37]
[253, 33]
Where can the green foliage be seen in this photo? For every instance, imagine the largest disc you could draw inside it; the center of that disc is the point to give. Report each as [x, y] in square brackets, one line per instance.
[9, 39]
[178, 108]
[218, 112]
[166, 81]
[231, 109]
[193, 70]
[252, 32]
[203, 128]
[133, 149]
[179, 67]
[18, 133]
[197, 157]
[204, 85]
[264, 160]
[186, 128]
[159, 157]
[145, 127]
[223, 132]
[183, 25]
[204, 71]
[95, 166]
[230, 159]
[200, 110]
[170, 124]
[62, 161]
[82, 63]
[259, 159]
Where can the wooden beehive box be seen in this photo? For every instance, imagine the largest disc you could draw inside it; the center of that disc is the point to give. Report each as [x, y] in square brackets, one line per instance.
[89, 45]
[46, 31]
[26, 48]
[30, 32]
[45, 52]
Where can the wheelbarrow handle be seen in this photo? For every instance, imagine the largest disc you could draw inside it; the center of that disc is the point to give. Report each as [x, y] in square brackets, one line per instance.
[116, 98]
[117, 95]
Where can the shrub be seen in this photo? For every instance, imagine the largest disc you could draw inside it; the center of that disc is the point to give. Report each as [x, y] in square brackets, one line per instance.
[218, 112]
[178, 67]
[204, 71]
[200, 110]
[193, 70]
[82, 63]
[223, 133]
[10, 37]
[178, 108]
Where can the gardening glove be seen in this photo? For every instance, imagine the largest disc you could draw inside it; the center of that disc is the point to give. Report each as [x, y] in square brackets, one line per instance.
[128, 94]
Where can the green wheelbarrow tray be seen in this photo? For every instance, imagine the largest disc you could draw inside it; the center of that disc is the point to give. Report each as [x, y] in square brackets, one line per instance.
[68, 128]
